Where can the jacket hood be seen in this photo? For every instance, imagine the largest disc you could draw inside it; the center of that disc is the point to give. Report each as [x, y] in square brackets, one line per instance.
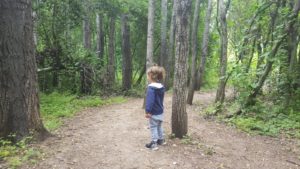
[156, 85]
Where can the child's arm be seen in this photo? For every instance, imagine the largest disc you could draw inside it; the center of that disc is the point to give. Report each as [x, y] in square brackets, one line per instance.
[149, 100]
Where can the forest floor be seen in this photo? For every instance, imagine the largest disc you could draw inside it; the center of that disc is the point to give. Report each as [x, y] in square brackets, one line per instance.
[114, 137]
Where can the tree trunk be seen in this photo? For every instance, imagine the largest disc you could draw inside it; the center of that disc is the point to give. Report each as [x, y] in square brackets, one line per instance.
[111, 52]
[190, 95]
[251, 98]
[267, 70]
[149, 57]
[86, 33]
[204, 48]
[139, 80]
[179, 114]
[292, 45]
[126, 53]
[170, 60]
[163, 29]
[100, 39]
[86, 76]
[223, 55]
[19, 102]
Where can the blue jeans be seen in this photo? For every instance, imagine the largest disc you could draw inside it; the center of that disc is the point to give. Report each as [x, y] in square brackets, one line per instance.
[156, 129]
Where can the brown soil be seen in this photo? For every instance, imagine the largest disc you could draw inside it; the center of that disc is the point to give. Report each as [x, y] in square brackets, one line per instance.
[114, 137]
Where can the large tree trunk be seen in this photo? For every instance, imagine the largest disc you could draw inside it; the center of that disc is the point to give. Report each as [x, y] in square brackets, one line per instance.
[111, 51]
[204, 47]
[163, 37]
[126, 53]
[100, 38]
[19, 102]
[223, 54]
[149, 57]
[194, 52]
[179, 114]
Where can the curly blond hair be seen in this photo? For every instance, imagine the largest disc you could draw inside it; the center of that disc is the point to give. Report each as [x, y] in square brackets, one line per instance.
[156, 73]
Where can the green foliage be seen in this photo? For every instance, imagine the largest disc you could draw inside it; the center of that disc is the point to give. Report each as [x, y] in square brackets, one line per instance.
[18, 153]
[56, 106]
[267, 119]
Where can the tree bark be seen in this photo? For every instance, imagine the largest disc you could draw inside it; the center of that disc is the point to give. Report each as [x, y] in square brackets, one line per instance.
[86, 33]
[111, 52]
[204, 48]
[190, 95]
[292, 45]
[149, 57]
[86, 76]
[163, 36]
[19, 101]
[126, 54]
[179, 114]
[170, 60]
[223, 55]
[100, 38]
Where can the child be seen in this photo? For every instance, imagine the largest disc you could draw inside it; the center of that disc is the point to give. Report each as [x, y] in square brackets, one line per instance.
[154, 105]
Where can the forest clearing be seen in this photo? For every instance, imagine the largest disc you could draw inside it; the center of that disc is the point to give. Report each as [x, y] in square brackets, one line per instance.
[73, 74]
[113, 137]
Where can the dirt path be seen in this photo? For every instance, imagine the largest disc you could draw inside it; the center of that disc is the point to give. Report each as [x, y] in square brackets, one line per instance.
[113, 137]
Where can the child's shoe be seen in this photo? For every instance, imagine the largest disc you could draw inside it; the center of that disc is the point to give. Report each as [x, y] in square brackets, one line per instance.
[152, 145]
[161, 142]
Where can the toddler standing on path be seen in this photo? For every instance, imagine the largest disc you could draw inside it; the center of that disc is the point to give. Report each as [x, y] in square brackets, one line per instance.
[154, 105]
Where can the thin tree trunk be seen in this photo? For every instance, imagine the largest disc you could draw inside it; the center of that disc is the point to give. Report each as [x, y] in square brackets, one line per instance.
[204, 48]
[86, 76]
[179, 114]
[139, 80]
[292, 44]
[100, 38]
[251, 98]
[190, 95]
[111, 51]
[163, 37]
[267, 70]
[19, 101]
[126, 53]
[251, 56]
[223, 55]
[86, 33]
[149, 57]
[170, 60]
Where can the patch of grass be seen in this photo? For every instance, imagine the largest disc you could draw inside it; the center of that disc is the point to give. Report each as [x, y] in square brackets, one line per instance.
[56, 106]
[16, 154]
[187, 140]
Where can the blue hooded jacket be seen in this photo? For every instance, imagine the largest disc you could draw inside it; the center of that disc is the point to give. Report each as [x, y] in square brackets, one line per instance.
[155, 99]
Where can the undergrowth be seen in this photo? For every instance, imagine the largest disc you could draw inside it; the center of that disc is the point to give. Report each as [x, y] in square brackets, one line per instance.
[264, 118]
[15, 154]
